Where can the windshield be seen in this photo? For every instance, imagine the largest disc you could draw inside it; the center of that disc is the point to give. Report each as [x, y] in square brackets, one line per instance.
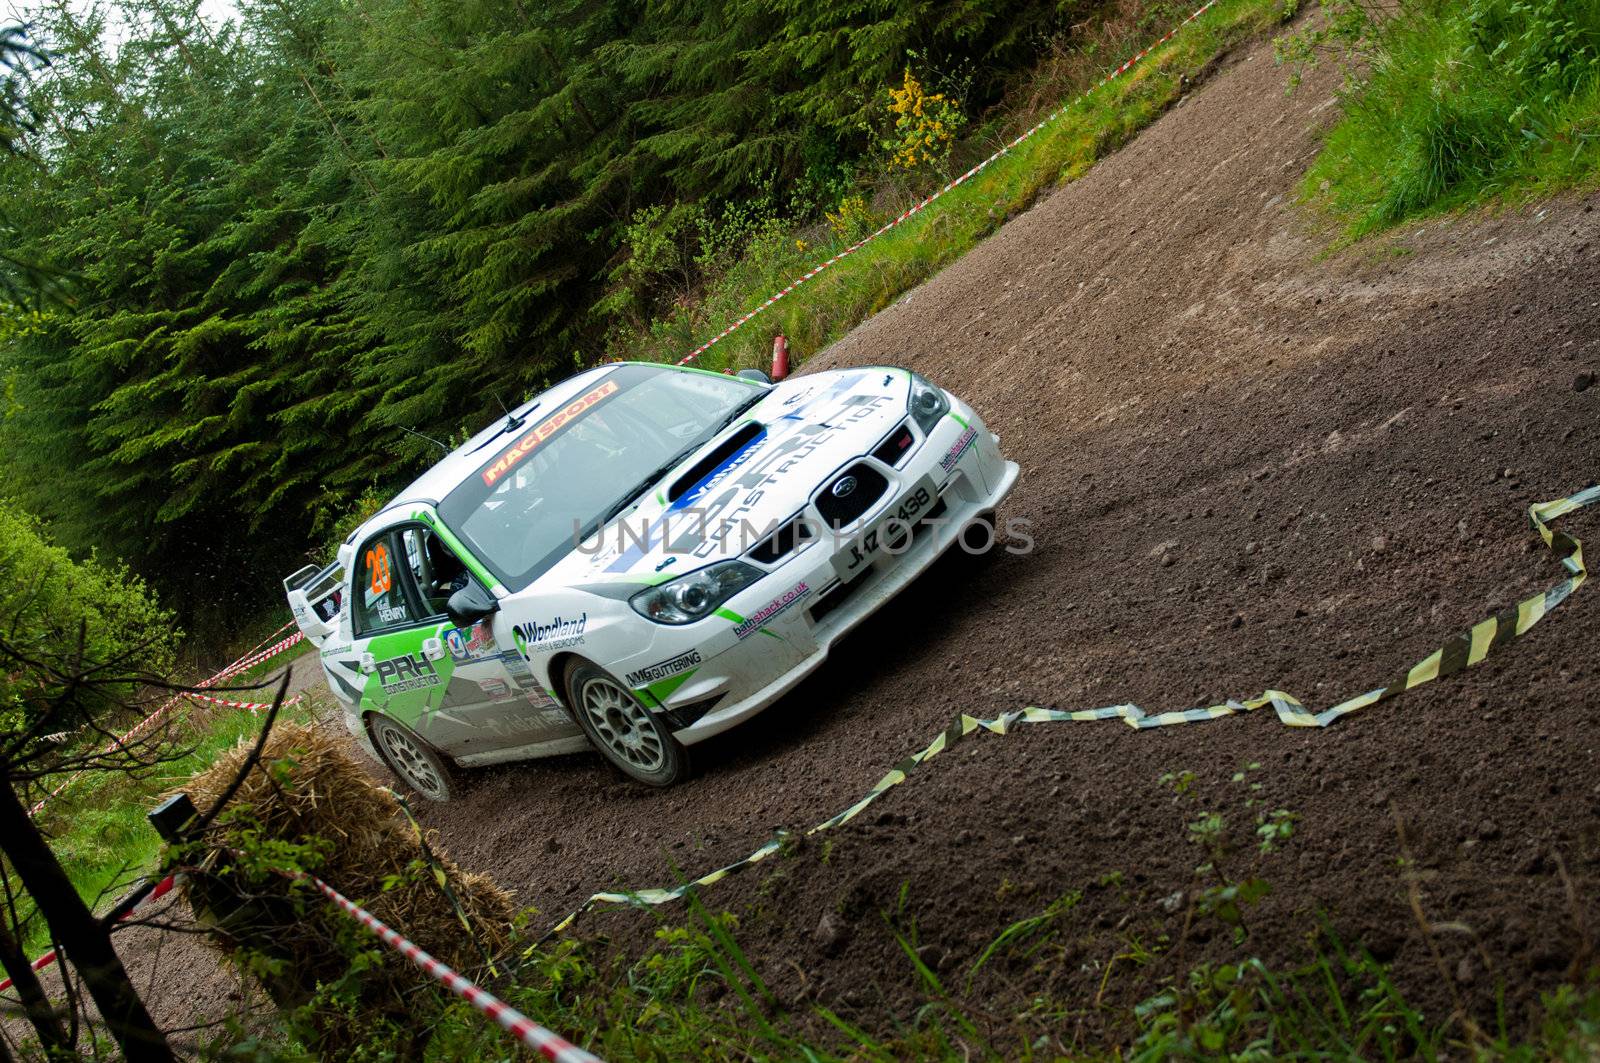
[583, 462]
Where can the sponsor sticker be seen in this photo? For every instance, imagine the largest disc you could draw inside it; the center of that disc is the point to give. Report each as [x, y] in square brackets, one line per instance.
[782, 602]
[957, 449]
[652, 673]
[515, 664]
[482, 640]
[471, 644]
[559, 633]
[407, 672]
[495, 470]
[497, 691]
[723, 473]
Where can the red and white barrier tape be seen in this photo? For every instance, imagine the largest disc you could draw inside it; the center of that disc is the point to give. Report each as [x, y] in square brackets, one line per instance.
[243, 664]
[253, 706]
[257, 650]
[249, 661]
[162, 889]
[920, 207]
[541, 1039]
[546, 1042]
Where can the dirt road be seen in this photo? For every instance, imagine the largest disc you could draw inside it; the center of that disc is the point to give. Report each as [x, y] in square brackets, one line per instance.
[1249, 462]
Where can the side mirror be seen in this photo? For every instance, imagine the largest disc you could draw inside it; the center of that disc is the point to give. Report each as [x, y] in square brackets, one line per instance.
[754, 374]
[469, 605]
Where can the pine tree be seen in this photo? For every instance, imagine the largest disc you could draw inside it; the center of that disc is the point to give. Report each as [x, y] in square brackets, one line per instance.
[297, 236]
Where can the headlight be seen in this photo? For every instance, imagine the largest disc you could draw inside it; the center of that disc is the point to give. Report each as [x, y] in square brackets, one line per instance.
[694, 596]
[927, 403]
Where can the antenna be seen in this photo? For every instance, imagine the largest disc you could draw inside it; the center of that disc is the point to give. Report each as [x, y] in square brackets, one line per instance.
[511, 420]
[430, 439]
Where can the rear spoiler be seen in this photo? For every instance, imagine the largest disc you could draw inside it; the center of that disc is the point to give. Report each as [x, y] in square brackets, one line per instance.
[316, 596]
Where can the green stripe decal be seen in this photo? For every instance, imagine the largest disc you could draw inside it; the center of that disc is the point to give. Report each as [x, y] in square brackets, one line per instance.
[664, 689]
[449, 539]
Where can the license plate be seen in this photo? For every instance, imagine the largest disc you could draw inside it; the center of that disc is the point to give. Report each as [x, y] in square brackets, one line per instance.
[890, 533]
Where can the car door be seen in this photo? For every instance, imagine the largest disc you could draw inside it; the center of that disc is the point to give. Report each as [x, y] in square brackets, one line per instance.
[454, 686]
[406, 671]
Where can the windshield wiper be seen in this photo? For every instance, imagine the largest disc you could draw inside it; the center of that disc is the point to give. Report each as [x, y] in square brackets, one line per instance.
[737, 410]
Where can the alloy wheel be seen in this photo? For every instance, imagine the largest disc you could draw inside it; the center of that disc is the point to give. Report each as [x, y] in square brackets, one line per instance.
[409, 761]
[623, 724]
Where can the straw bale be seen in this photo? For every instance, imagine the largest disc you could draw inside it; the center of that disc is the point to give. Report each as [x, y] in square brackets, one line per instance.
[307, 787]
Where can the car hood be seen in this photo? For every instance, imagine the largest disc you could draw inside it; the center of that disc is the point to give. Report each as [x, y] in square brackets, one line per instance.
[792, 442]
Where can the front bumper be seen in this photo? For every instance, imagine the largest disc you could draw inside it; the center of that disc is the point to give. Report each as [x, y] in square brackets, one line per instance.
[783, 627]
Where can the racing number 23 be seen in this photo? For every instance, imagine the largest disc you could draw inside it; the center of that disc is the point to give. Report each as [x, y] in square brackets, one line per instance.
[378, 565]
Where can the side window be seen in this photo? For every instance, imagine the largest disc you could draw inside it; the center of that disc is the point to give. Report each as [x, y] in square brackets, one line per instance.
[380, 593]
[435, 568]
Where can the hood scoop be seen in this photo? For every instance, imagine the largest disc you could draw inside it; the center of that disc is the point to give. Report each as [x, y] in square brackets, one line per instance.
[707, 467]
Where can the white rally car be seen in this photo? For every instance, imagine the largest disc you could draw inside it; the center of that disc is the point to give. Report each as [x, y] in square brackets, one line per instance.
[637, 559]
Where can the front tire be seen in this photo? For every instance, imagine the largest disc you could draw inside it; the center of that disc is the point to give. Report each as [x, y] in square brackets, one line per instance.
[979, 534]
[411, 759]
[624, 731]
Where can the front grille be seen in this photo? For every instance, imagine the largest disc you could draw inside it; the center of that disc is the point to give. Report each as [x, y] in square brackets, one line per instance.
[840, 593]
[840, 511]
[895, 446]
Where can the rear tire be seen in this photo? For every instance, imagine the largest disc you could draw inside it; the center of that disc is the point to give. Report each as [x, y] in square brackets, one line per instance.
[627, 734]
[412, 760]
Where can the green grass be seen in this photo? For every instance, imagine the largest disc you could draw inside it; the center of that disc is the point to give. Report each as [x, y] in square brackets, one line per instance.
[1453, 104]
[699, 996]
[695, 993]
[827, 307]
[98, 828]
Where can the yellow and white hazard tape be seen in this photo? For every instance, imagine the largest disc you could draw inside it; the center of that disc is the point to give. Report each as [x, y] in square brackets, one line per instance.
[1465, 650]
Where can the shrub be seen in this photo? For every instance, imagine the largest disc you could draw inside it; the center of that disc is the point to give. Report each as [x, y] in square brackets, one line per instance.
[925, 126]
[851, 221]
[312, 807]
[46, 598]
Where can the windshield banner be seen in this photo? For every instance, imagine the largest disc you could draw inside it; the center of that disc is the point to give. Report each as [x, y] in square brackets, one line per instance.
[525, 446]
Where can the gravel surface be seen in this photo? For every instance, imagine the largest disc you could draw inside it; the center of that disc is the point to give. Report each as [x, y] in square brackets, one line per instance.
[1249, 461]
